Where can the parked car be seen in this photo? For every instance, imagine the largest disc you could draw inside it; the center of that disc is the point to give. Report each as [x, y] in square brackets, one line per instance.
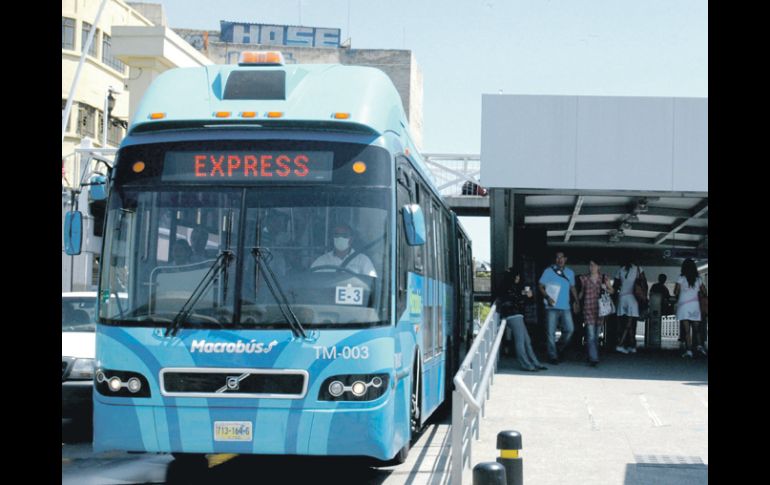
[78, 340]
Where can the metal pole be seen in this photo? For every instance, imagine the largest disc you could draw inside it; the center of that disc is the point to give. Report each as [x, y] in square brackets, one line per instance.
[73, 206]
[68, 107]
[105, 115]
[489, 473]
[509, 444]
[349, 36]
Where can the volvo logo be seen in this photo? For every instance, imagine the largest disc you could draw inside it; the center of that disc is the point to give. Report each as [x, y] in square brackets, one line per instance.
[232, 383]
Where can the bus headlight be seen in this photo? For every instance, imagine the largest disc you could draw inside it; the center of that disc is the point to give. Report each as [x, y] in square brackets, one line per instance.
[336, 388]
[134, 385]
[115, 383]
[357, 387]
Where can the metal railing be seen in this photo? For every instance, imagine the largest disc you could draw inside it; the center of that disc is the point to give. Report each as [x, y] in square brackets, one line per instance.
[471, 392]
[451, 171]
[80, 164]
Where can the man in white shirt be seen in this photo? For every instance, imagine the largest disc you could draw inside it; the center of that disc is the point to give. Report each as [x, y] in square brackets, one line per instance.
[343, 251]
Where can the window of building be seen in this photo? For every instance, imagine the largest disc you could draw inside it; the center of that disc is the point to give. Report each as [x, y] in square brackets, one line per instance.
[86, 120]
[107, 56]
[84, 38]
[67, 33]
[114, 132]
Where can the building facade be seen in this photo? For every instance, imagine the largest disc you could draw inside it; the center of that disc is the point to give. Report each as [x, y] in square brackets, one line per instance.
[101, 70]
[102, 76]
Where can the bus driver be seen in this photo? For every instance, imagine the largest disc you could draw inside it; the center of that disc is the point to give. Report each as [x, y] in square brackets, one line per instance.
[343, 252]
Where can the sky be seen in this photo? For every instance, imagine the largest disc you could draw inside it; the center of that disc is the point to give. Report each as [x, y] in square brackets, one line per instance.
[466, 48]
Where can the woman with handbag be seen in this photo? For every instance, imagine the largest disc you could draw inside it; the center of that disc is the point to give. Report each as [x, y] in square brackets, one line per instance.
[631, 283]
[689, 290]
[595, 294]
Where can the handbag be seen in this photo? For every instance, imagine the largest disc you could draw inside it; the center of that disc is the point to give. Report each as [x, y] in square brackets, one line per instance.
[640, 285]
[640, 293]
[703, 301]
[606, 306]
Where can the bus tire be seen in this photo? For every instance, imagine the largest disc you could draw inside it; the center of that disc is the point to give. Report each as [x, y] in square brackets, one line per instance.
[400, 457]
[187, 468]
[414, 415]
[414, 400]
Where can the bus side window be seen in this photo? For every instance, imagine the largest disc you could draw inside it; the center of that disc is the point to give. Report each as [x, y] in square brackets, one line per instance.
[418, 250]
[407, 179]
[428, 301]
[404, 251]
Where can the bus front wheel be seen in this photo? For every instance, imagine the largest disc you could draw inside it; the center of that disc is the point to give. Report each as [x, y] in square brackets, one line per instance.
[414, 402]
[414, 419]
[187, 469]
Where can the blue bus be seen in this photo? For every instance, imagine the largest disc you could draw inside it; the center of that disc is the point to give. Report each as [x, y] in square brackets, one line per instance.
[290, 280]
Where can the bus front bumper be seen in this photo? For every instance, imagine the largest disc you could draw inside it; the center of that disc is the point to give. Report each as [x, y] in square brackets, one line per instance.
[378, 431]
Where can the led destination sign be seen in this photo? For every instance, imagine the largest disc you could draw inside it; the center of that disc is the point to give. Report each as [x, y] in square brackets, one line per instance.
[248, 166]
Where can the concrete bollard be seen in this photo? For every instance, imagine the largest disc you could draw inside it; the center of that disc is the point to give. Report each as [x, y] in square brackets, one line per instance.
[489, 473]
[509, 444]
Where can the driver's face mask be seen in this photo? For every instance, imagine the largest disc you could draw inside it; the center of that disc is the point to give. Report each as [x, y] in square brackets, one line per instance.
[341, 243]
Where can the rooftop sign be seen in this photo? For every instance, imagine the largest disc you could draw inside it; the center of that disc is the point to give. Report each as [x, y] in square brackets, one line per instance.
[288, 35]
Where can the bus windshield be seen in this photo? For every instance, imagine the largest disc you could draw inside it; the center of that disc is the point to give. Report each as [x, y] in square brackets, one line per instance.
[248, 256]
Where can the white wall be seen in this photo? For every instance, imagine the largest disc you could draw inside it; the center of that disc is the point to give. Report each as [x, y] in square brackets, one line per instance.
[594, 143]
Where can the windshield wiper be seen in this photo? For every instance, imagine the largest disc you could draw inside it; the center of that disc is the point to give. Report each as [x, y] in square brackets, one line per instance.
[223, 260]
[260, 257]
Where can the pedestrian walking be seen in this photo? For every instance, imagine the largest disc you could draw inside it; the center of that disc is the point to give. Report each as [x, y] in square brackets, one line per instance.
[631, 283]
[688, 290]
[556, 285]
[593, 288]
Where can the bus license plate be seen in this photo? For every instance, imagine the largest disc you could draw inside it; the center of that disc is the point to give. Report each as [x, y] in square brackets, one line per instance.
[232, 431]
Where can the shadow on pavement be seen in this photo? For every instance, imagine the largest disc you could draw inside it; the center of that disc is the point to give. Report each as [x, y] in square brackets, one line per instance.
[645, 364]
[277, 469]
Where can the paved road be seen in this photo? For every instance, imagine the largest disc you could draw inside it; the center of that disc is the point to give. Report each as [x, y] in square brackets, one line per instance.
[634, 420]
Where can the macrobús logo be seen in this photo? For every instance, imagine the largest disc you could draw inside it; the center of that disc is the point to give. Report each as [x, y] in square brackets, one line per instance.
[239, 347]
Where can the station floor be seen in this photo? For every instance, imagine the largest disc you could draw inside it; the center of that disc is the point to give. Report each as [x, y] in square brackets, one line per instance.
[635, 419]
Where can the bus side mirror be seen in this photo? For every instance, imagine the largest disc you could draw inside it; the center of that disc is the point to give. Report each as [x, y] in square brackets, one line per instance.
[98, 189]
[73, 232]
[414, 223]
